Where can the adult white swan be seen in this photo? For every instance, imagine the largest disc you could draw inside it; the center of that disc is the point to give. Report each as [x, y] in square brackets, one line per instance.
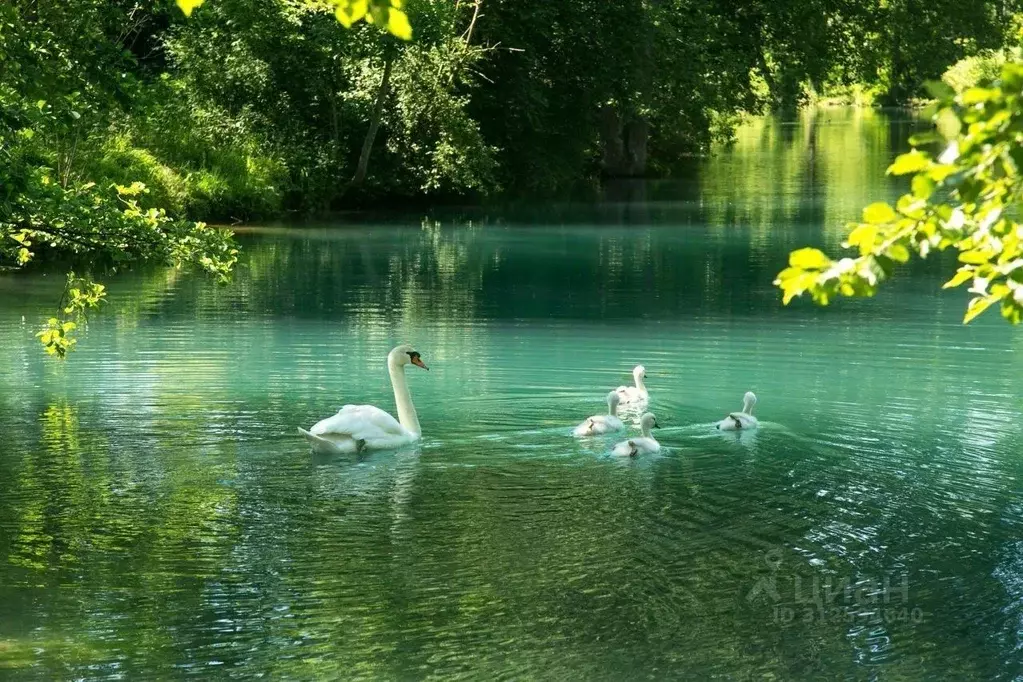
[741, 421]
[643, 445]
[634, 394]
[358, 427]
[602, 423]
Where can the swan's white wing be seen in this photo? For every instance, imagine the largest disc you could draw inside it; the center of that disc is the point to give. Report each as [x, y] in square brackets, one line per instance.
[737, 421]
[361, 422]
[586, 428]
[597, 425]
[630, 394]
[648, 445]
[625, 449]
[331, 444]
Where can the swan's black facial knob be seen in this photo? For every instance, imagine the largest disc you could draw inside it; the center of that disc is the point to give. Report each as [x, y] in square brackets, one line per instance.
[414, 358]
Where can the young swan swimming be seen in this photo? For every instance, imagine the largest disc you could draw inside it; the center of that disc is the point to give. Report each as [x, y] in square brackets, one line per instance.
[741, 421]
[643, 445]
[634, 394]
[602, 423]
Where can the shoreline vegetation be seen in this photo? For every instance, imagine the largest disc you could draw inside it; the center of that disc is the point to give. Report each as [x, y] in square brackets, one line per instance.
[124, 125]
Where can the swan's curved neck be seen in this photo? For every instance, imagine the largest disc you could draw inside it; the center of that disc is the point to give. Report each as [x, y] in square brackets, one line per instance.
[747, 406]
[639, 383]
[647, 431]
[406, 410]
[612, 409]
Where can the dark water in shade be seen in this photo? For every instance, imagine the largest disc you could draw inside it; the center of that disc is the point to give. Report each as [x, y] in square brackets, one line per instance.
[159, 518]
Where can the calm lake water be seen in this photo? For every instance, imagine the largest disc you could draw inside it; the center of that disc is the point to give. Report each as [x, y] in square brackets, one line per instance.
[160, 518]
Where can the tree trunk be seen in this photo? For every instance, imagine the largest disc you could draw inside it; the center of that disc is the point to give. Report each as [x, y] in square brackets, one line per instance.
[374, 125]
[614, 146]
[637, 132]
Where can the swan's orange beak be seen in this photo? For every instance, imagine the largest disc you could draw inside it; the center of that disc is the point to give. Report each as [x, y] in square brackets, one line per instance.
[419, 363]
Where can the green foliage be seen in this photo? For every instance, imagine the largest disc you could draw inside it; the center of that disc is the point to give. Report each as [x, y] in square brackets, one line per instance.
[62, 82]
[197, 159]
[866, 52]
[432, 141]
[966, 198]
[80, 295]
[985, 66]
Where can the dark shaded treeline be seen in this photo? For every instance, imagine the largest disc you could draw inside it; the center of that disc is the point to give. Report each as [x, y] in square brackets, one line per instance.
[255, 106]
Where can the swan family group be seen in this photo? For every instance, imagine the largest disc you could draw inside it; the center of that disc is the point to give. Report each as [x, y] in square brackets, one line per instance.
[364, 427]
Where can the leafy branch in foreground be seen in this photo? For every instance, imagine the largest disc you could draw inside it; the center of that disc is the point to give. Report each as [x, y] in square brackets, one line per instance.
[108, 230]
[967, 199]
[54, 107]
[387, 14]
[79, 296]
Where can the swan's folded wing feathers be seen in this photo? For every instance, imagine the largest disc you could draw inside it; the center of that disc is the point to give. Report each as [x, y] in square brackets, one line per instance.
[361, 422]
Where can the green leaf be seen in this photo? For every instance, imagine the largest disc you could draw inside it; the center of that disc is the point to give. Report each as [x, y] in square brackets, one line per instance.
[923, 186]
[809, 259]
[398, 25]
[962, 275]
[350, 11]
[976, 256]
[976, 307]
[862, 237]
[948, 124]
[1012, 311]
[978, 95]
[910, 162]
[925, 138]
[898, 253]
[939, 172]
[878, 213]
[187, 6]
[939, 89]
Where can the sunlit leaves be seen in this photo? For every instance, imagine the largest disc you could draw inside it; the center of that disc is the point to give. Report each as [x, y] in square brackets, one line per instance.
[57, 338]
[188, 5]
[962, 276]
[809, 259]
[911, 162]
[862, 237]
[349, 12]
[978, 305]
[965, 199]
[878, 213]
[104, 227]
[80, 295]
[398, 24]
[388, 14]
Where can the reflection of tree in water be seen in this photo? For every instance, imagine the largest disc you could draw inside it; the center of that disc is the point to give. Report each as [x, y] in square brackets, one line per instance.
[101, 525]
[780, 184]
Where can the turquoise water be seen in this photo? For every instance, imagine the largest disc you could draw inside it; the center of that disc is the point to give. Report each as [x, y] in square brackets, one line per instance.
[160, 518]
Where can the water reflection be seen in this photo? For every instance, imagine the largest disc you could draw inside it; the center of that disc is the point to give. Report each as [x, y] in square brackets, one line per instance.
[158, 518]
